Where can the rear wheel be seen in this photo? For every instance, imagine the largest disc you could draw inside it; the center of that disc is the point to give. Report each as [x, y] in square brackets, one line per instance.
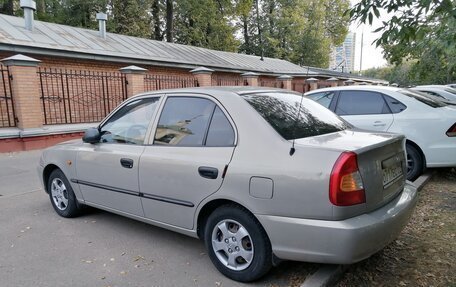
[415, 162]
[237, 244]
[61, 194]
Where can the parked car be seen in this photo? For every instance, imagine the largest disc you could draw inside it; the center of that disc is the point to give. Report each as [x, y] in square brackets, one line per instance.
[259, 174]
[428, 124]
[440, 91]
[452, 86]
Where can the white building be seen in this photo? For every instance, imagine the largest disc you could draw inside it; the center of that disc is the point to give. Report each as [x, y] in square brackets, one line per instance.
[342, 58]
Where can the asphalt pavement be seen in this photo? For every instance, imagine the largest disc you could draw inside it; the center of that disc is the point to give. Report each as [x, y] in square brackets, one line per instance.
[39, 248]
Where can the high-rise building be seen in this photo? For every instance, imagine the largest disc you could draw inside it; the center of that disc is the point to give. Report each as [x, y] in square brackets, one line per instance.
[342, 58]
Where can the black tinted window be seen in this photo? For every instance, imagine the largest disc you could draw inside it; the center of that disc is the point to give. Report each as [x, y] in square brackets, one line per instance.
[323, 99]
[184, 121]
[281, 111]
[395, 105]
[361, 103]
[424, 98]
[220, 131]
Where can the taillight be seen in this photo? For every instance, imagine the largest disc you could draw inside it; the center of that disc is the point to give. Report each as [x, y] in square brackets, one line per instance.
[346, 185]
[452, 131]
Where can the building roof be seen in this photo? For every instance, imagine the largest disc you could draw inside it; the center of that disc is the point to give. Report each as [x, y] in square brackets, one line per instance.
[66, 41]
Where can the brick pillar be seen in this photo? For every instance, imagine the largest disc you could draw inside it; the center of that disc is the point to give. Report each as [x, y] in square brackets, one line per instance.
[26, 91]
[313, 83]
[203, 75]
[349, 82]
[333, 82]
[251, 78]
[285, 81]
[135, 79]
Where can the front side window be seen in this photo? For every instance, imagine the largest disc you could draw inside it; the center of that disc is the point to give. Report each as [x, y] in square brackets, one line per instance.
[323, 99]
[184, 121]
[361, 103]
[129, 124]
[293, 116]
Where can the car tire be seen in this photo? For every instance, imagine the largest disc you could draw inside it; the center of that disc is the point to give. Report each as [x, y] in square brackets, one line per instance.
[237, 244]
[415, 162]
[61, 195]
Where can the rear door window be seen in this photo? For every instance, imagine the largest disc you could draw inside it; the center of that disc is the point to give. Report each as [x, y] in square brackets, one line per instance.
[184, 121]
[395, 106]
[220, 132]
[361, 103]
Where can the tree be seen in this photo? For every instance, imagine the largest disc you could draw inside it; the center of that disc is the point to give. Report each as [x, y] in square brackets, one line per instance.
[130, 17]
[420, 30]
[205, 23]
[7, 7]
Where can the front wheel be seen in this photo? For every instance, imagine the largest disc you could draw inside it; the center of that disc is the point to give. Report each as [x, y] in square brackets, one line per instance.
[237, 244]
[415, 162]
[61, 194]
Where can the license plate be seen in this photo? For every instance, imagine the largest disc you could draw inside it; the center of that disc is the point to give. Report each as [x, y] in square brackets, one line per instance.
[391, 174]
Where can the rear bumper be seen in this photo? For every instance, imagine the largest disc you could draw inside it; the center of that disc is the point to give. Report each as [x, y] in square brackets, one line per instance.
[441, 155]
[340, 242]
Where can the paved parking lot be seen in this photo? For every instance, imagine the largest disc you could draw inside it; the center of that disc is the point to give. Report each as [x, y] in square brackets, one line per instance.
[39, 248]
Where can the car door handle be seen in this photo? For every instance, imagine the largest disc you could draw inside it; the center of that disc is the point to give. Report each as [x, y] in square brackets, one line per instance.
[208, 172]
[379, 124]
[126, 162]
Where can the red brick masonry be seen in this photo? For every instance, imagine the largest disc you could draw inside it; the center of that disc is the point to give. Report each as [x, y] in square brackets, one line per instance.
[38, 142]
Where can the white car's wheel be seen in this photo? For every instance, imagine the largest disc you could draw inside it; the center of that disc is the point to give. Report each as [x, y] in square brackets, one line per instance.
[414, 162]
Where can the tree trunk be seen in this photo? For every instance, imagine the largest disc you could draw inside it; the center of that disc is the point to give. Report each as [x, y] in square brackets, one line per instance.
[7, 7]
[156, 18]
[41, 7]
[169, 21]
[246, 34]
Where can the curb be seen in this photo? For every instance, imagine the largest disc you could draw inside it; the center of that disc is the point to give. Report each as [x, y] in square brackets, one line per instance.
[421, 181]
[328, 275]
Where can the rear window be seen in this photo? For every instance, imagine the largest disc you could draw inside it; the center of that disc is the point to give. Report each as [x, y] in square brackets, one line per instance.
[281, 111]
[424, 98]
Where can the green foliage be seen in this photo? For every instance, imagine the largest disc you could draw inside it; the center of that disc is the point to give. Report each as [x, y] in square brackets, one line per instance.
[301, 31]
[421, 32]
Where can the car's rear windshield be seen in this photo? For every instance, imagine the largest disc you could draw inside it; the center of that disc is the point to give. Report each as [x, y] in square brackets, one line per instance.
[283, 112]
[424, 98]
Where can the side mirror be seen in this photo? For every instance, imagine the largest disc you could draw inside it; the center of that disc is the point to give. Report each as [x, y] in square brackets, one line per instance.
[92, 136]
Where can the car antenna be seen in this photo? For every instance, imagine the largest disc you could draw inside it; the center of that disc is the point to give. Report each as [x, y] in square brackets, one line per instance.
[292, 149]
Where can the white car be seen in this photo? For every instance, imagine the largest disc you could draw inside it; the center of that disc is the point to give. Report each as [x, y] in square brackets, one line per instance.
[440, 91]
[428, 124]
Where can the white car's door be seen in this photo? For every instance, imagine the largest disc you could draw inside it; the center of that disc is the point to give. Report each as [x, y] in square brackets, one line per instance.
[364, 109]
[191, 148]
[107, 172]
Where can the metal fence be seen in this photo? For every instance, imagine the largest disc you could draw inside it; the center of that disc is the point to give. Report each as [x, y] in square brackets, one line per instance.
[7, 115]
[158, 82]
[228, 80]
[70, 96]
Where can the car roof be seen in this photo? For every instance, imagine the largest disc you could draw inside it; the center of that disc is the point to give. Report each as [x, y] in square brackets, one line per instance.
[217, 90]
[358, 88]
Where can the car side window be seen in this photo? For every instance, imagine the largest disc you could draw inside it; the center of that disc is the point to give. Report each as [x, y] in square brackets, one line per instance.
[184, 121]
[220, 132]
[129, 124]
[323, 99]
[395, 106]
[361, 103]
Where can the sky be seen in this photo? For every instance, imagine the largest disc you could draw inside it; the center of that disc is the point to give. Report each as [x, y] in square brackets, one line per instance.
[372, 56]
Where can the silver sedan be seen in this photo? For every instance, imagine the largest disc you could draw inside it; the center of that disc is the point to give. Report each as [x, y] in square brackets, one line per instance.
[261, 175]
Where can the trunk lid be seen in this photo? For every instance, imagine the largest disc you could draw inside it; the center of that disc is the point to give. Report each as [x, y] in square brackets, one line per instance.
[381, 162]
